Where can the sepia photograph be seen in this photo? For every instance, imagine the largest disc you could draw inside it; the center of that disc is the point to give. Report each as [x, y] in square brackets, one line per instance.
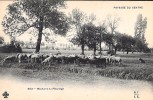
[76, 50]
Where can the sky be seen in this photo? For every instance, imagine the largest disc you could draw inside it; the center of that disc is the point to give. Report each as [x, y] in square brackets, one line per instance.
[102, 9]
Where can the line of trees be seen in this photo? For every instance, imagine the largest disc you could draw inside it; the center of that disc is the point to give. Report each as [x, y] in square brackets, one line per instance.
[92, 36]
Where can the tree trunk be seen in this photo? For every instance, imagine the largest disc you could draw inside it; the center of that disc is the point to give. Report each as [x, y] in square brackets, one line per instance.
[132, 51]
[115, 50]
[82, 48]
[39, 35]
[109, 47]
[100, 47]
[95, 50]
[127, 51]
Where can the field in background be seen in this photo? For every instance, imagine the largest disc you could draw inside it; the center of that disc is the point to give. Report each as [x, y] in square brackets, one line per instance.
[131, 68]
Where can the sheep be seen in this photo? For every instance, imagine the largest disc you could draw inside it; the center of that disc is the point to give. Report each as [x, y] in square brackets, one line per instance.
[70, 59]
[82, 60]
[28, 57]
[57, 59]
[96, 60]
[90, 56]
[115, 59]
[47, 60]
[22, 58]
[35, 58]
[9, 59]
[108, 58]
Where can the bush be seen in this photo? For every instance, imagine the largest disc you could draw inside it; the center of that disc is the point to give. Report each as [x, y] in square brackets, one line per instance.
[11, 49]
[147, 50]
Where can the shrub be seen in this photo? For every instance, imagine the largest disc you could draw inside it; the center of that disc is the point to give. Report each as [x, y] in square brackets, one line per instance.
[11, 49]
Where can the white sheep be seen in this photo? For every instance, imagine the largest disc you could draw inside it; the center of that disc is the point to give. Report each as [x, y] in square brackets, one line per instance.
[35, 57]
[9, 59]
[115, 59]
[47, 60]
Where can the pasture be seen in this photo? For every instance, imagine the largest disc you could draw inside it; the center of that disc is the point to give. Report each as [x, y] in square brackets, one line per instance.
[130, 68]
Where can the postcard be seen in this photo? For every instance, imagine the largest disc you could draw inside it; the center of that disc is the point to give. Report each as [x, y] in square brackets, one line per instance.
[76, 50]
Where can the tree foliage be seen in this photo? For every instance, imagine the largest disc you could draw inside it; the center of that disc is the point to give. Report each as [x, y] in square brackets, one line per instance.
[140, 27]
[79, 20]
[91, 36]
[113, 23]
[101, 31]
[36, 15]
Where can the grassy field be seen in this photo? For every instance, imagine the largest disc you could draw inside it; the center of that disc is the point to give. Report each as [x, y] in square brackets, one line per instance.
[131, 68]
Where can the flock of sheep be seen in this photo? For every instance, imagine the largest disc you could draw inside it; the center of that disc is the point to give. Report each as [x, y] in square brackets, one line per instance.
[49, 59]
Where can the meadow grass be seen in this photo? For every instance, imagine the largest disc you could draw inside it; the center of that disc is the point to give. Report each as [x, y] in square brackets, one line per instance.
[131, 68]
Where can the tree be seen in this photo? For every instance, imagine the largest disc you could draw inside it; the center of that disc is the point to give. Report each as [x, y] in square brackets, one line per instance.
[112, 24]
[108, 39]
[36, 15]
[80, 39]
[101, 29]
[91, 36]
[140, 46]
[77, 19]
[117, 42]
[140, 27]
[125, 42]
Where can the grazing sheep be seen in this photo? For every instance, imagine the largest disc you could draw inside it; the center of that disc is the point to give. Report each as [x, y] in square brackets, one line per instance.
[115, 59]
[9, 59]
[22, 58]
[28, 57]
[82, 60]
[70, 59]
[57, 59]
[141, 60]
[107, 58]
[35, 58]
[96, 60]
[47, 60]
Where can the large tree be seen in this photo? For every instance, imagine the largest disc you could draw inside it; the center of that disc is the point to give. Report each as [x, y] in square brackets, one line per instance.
[38, 15]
